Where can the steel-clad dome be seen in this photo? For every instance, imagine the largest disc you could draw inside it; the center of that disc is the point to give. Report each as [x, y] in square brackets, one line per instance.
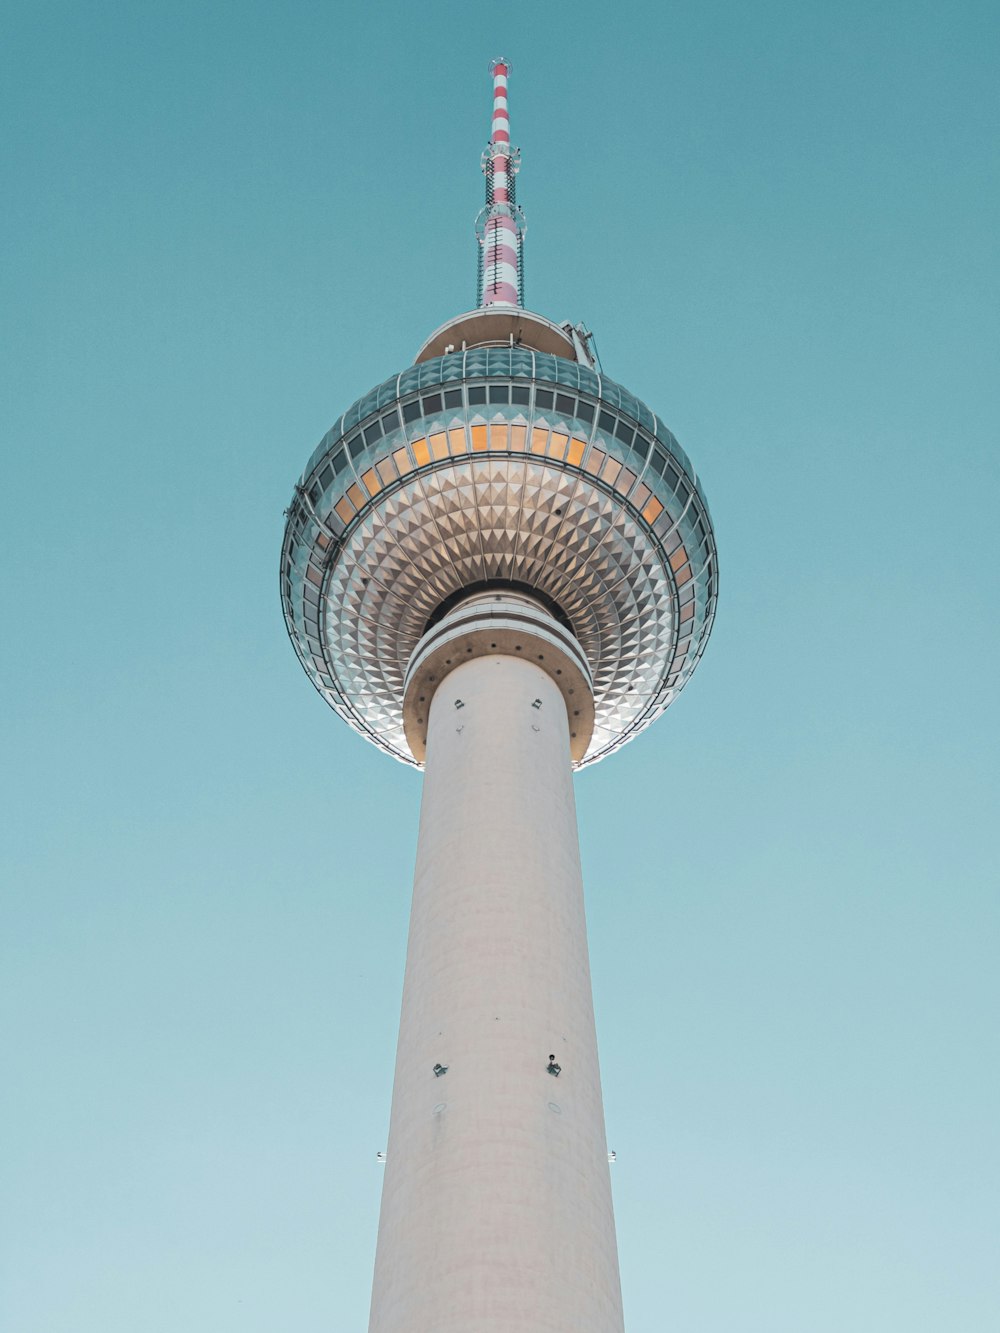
[496, 466]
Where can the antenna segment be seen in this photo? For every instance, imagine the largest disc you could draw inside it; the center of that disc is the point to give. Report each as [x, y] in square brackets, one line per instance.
[500, 226]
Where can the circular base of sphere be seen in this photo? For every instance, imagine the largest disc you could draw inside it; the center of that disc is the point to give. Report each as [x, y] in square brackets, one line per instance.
[498, 625]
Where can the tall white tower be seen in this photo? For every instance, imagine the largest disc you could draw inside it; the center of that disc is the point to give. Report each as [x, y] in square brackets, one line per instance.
[498, 566]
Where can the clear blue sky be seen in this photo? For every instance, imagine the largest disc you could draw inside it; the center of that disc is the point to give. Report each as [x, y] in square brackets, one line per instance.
[222, 224]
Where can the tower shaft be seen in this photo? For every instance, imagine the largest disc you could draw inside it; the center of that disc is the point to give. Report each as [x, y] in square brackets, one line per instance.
[496, 1208]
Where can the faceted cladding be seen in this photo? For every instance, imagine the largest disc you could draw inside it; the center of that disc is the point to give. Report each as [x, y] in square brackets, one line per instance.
[499, 464]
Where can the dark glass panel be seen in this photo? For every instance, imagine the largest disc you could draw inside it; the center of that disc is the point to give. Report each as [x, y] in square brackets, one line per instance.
[477, 393]
[453, 397]
[543, 397]
[411, 411]
[409, 380]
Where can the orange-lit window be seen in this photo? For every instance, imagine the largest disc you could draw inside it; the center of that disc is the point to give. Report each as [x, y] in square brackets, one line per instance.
[557, 445]
[498, 436]
[576, 450]
[641, 496]
[357, 495]
[322, 540]
[313, 575]
[539, 439]
[652, 511]
[478, 438]
[688, 612]
[683, 575]
[595, 461]
[420, 452]
[402, 460]
[456, 438]
[371, 481]
[611, 469]
[385, 470]
[678, 558]
[518, 435]
[439, 445]
[626, 480]
[345, 510]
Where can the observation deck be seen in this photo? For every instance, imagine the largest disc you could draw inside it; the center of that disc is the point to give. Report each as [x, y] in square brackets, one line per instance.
[499, 466]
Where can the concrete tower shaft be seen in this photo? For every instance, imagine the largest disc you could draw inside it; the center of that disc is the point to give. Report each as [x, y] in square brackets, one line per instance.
[496, 1209]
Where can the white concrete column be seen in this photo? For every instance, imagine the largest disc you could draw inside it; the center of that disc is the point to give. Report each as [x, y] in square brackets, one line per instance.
[496, 1206]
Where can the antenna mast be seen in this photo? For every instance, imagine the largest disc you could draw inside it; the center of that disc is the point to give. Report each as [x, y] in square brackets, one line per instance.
[500, 226]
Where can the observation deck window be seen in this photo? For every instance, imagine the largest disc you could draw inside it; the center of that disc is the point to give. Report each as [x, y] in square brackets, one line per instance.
[411, 411]
[432, 403]
[544, 398]
[453, 397]
[477, 393]
[499, 393]
[520, 393]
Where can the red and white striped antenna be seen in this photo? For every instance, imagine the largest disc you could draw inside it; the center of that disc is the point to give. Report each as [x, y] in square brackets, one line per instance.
[500, 226]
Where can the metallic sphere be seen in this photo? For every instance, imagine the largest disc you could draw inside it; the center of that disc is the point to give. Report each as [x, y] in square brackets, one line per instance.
[499, 467]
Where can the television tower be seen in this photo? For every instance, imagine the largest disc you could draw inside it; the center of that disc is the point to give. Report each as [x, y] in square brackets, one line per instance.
[498, 566]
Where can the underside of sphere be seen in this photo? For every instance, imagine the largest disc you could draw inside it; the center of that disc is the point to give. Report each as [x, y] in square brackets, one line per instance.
[492, 467]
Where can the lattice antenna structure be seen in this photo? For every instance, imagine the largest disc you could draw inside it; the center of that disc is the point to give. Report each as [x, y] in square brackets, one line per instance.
[501, 225]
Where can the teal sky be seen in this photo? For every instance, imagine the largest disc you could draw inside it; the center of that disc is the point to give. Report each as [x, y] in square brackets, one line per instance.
[222, 224]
